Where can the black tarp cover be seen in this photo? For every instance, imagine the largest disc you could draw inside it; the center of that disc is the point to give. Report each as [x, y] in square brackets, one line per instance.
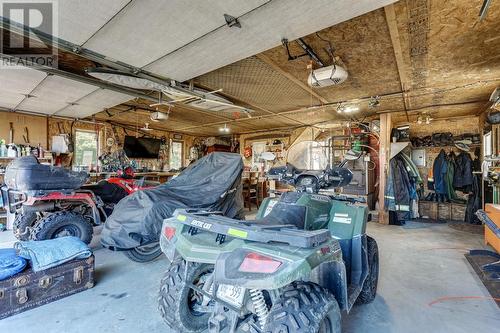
[213, 183]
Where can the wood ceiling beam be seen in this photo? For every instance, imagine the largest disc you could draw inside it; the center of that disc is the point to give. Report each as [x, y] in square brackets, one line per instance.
[289, 76]
[435, 106]
[392, 24]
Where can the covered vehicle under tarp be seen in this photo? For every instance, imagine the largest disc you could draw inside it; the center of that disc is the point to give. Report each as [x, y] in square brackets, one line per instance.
[212, 183]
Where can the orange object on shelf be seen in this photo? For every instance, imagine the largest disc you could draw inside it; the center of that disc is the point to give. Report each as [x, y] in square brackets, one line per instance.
[490, 238]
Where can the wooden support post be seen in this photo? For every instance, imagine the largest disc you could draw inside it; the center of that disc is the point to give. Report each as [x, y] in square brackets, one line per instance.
[384, 154]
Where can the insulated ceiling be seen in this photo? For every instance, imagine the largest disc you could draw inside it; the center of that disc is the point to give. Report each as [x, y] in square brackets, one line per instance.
[183, 39]
[34, 91]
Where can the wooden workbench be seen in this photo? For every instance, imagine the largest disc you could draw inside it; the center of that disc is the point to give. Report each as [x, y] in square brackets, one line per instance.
[161, 176]
[490, 238]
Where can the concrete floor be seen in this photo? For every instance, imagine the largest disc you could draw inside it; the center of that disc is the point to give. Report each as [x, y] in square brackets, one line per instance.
[426, 285]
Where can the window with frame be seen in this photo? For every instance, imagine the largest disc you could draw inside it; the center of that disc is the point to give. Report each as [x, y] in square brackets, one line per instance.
[176, 155]
[86, 149]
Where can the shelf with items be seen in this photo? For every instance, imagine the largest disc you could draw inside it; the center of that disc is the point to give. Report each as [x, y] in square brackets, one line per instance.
[276, 149]
[13, 158]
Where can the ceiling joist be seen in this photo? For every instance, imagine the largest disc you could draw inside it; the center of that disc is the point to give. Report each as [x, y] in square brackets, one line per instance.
[398, 53]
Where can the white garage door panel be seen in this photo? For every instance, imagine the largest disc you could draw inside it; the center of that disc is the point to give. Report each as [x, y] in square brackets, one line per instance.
[104, 98]
[20, 81]
[41, 105]
[9, 100]
[55, 93]
[80, 19]
[77, 111]
[94, 103]
[261, 30]
[63, 90]
[148, 29]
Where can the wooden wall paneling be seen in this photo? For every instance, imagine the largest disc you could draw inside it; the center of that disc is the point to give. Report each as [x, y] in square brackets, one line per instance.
[37, 128]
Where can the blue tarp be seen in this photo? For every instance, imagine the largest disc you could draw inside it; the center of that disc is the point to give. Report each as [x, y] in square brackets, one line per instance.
[10, 263]
[53, 252]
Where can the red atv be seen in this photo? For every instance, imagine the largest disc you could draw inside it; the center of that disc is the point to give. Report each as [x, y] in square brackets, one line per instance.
[52, 202]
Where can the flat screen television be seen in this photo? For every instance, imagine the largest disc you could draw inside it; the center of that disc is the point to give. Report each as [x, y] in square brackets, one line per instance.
[141, 147]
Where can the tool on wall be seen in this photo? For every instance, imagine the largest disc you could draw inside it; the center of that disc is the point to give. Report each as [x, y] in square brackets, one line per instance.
[115, 136]
[71, 146]
[484, 9]
[26, 136]
[11, 133]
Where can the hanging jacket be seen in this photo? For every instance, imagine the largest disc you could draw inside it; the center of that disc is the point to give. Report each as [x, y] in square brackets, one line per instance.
[440, 168]
[402, 184]
[474, 201]
[450, 173]
[390, 202]
[462, 179]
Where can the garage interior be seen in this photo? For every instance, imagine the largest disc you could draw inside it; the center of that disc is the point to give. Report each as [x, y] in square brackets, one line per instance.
[387, 108]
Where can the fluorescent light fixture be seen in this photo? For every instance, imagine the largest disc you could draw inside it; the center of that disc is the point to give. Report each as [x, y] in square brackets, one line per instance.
[224, 129]
[351, 108]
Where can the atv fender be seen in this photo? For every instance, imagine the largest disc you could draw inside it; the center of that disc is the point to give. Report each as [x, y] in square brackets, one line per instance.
[332, 276]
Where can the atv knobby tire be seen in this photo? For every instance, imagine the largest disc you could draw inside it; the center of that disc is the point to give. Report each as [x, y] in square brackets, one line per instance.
[145, 253]
[304, 307]
[173, 301]
[64, 223]
[369, 290]
[21, 224]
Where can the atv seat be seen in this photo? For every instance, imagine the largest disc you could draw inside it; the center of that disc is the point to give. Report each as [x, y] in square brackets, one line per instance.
[108, 192]
[282, 214]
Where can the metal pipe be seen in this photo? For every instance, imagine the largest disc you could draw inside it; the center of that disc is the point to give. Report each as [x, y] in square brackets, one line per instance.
[86, 80]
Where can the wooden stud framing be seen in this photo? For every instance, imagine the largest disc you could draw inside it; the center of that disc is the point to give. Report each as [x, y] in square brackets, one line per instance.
[384, 153]
[398, 53]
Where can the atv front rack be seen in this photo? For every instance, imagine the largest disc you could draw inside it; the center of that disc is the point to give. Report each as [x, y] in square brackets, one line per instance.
[214, 222]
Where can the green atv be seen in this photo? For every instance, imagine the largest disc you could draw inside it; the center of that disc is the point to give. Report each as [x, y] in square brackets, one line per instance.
[303, 260]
